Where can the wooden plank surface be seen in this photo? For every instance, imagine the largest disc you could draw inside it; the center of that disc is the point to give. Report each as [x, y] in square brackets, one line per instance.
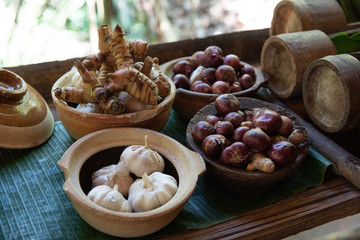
[335, 199]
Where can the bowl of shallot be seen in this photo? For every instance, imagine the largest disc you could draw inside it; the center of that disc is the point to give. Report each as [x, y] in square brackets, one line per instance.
[129, 182]
[249, 145]
[204, 75]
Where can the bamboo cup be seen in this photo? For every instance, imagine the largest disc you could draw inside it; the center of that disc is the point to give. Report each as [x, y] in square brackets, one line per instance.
[303, 15]
[330, 90]
[285, 57]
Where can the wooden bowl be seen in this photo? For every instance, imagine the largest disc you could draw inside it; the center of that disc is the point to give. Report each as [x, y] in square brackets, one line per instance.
[187, 102]
[78, 123]
[242, 180]
[25, 118]
[104, 147]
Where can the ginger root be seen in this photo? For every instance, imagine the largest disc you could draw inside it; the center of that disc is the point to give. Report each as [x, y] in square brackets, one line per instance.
[119, 48]
[73, 94]
[101, 77]
[260, 162]
[138, 47]
[135, 84]
[159, 79]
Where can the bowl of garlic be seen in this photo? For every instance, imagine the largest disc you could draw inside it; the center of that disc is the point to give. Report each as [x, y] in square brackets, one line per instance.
[129, 182]
[110, 89]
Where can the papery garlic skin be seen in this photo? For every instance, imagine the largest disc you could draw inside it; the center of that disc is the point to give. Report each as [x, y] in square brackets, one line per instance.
[141, 159]
[152, 191]
[113, 174]
[109, 198]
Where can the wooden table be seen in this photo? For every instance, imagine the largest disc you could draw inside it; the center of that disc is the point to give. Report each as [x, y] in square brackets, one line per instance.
[335, 199]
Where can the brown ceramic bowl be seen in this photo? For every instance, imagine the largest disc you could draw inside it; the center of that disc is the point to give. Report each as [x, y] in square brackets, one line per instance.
[25, 118]
[78, 123]
[187, 102]
[242, 180]
[102, 148]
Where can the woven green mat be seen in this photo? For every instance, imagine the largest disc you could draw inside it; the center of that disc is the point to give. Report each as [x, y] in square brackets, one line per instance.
[34, 206]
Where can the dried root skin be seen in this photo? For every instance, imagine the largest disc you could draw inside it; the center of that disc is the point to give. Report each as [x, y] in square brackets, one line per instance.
[73, 94]
[119, 48]
[100, 94]
[138, 47]
[103, 31]
[160, 80]
[261, 162]
[135, 83]
[87, 77]
[93, 62]
[113, 106]
[147, 66]
[105, 68]
[163, 86]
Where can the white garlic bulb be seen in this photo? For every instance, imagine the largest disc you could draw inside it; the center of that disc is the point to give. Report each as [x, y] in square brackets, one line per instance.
[113, 174]
[152, 191]
[141, 159]
[109, 198]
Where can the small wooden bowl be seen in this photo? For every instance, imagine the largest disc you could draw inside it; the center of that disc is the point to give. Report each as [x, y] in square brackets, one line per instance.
[242, 180]
[25, 118]
[79, 124]
[187, 102]
[104, 147]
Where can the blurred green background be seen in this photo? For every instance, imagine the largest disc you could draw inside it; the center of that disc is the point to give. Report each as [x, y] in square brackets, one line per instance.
[34, 31]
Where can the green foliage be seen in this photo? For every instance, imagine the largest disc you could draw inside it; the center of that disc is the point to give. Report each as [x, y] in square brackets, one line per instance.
[345, 43]
[65, 15]
[131, 19]
[351, 9]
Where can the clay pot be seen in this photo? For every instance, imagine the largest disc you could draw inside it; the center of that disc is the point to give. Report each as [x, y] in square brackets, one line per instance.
[25, 118]
[104, 147]
[78, 123]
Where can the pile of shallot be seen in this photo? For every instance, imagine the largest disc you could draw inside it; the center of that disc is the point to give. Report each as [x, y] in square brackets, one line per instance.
[253, 139]
[209, 71]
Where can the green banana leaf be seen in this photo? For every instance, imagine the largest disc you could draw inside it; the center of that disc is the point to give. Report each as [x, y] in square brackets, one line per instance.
[34, 206]
[345, 43]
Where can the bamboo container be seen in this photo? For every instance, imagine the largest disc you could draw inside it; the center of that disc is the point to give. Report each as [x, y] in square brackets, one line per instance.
[303, 15]
[331, 90]
[285, 57]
